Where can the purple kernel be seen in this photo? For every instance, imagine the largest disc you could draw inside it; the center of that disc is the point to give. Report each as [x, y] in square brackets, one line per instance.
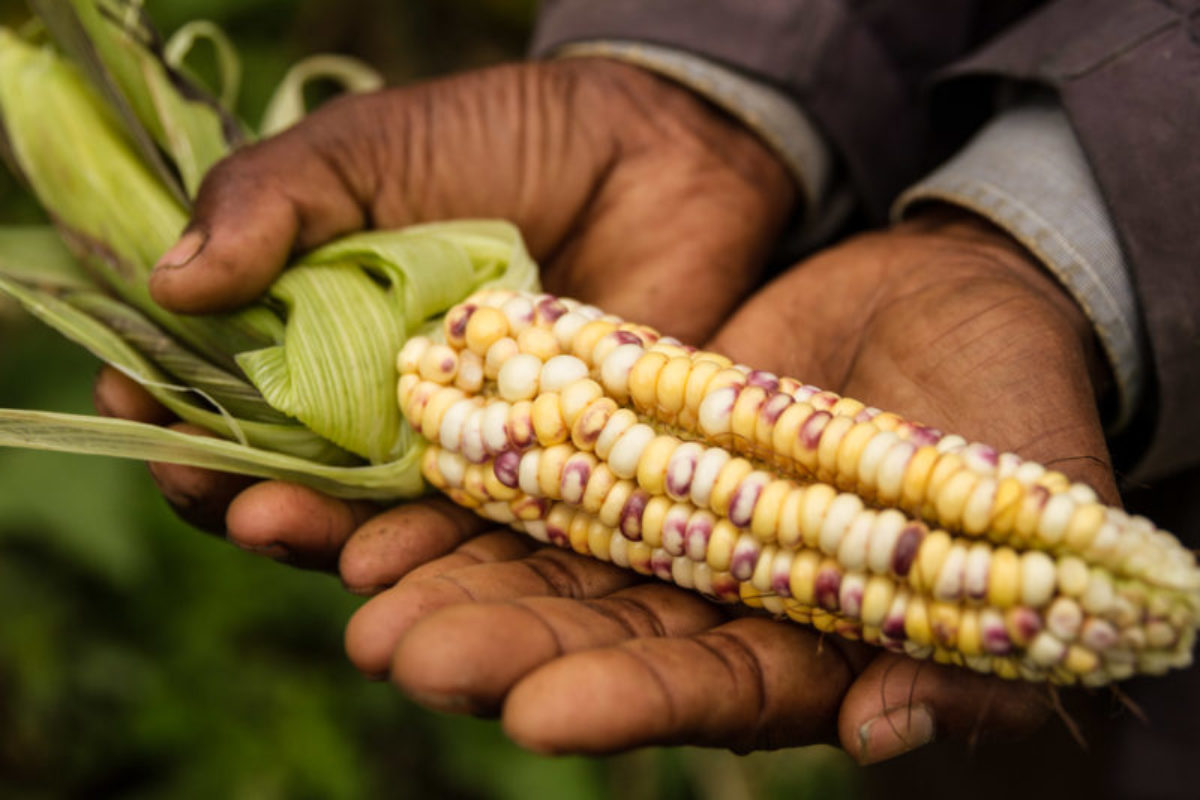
[893, 627]
[459, 318]
[507, 468]
[550, 308]
[851, 600]
[828, 587]
[741, 505]
[780, 584]
[1026, 623]
[696, 536]
[763, 380]
[631, 514]
[984, 454]
[776, 404]
[907, 544]
[996, 641]
[557, 536]
[923, 436]
[867, 414]
[810, 431]
[574, 480]
[674, 531]
[626, 337]
[661, 563]
[744, 560]
[679, 475]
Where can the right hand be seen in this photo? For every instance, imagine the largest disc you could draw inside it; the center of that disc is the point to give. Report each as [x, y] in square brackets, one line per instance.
[632, 194]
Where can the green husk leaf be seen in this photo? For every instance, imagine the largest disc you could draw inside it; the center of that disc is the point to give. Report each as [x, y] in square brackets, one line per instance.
[73, 433]
[36, 255]
[288, 106]
[188, 403]
[229, 65]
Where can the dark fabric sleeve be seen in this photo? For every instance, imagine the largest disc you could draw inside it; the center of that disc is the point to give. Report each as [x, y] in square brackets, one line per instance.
[856, 67]
[1127, 73]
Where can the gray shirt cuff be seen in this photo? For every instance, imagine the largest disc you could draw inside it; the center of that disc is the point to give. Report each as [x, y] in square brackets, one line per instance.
[770, 113]
[1026, 173]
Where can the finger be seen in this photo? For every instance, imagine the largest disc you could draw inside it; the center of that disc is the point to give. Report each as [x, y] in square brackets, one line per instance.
[899, 704]
[374, 631]
[500, 544]
[199, 497]
[467, 657]
[751, 683]
[115, 394]
[293, 523]
[390, 545]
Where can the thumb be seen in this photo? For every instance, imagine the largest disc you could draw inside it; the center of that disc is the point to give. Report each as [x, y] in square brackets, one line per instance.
[252, 210]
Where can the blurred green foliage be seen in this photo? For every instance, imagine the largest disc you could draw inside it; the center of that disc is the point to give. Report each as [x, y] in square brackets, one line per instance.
[139, 658]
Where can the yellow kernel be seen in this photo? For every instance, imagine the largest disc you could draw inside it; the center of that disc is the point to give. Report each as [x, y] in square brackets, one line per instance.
[495, 489]
[1084, 525]
[1030, 512]
[970, 634]
[643, 380]
[548, 423]
[731, 474]
[930, 557]
[850, 451]
[802, 578]
[944, 622]
[765, 522]
[1006, 668]
[788, 533]
[586, 337]
[639, 554]
[951, 500]
[614, 502]
[817, 499]
[947, 466]
[877, 599]
[725, 378]
[435, 409]
[743, 419]
[750, 595]
[797, 612]
[485, 327]
[576, 397]
[652, 520]
[1004, 578]
[1038, 574]
[720, 545]
[1054, 481]
[652, 467]
[1072, 576]
[438, 363]
[1009, 494]
[599, 540]
[697, 384]
[823, 621]
[827, 449]
[599, 485]
[538, 342]
[721, 361]
[1080, 660]
[590, 422]
[847, 407]
[887, 421]
[577, 533]
[550, 469]
[916, 621]
[916, 478]
[671, 386]
[787, 430]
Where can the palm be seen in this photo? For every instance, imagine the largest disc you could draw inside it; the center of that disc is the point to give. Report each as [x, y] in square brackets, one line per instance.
[938, 328]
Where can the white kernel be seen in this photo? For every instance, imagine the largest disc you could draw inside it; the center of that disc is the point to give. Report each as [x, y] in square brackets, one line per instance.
[471, 441]
[409, 357]
[1046, 650]
[852, 554]
[560, 371]
[837, 519]
[438, 363]
[1098, 598]
[495, 427]
[716, 411]
[519, 310]
[1029, 472]
[618, 551]
[518, 378]
[452, 468]
[891, 469]
[975, 572]
[1007, 465]
[470, 372]
[620, 421]
[536, 528]
[1052, 525]
[451, 430]
[682, 574]
[882, 543]
[625, 455]
[951, 443]
[705, 476]
[615, 368]
[498, 355]
[566, 326]
[1083, 494]
[527, 473]
[872, 457]
[1038, 577]
[948, 585]
[1064, 618]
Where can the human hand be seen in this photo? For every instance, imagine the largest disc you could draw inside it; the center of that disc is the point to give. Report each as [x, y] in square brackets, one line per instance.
[632, 193]
[942, 320]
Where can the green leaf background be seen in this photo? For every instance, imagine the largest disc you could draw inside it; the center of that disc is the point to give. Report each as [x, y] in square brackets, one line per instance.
[139, 658]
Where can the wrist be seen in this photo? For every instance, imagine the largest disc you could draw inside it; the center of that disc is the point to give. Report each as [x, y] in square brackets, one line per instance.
[963, 228]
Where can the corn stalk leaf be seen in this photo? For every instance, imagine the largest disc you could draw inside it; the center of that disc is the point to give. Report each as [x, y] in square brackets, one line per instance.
[287, 105]
[36, 255]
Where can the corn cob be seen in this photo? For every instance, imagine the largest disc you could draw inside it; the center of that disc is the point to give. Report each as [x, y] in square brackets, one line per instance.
[602, 436]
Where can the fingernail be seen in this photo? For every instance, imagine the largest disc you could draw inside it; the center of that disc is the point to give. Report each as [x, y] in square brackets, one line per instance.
[275, 551]
[183, 251]
[895, 732]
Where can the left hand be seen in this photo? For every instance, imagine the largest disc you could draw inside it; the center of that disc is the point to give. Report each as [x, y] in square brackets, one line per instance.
[943, 320]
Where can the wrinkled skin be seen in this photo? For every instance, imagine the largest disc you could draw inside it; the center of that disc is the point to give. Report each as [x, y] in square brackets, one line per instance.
[645, 195]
